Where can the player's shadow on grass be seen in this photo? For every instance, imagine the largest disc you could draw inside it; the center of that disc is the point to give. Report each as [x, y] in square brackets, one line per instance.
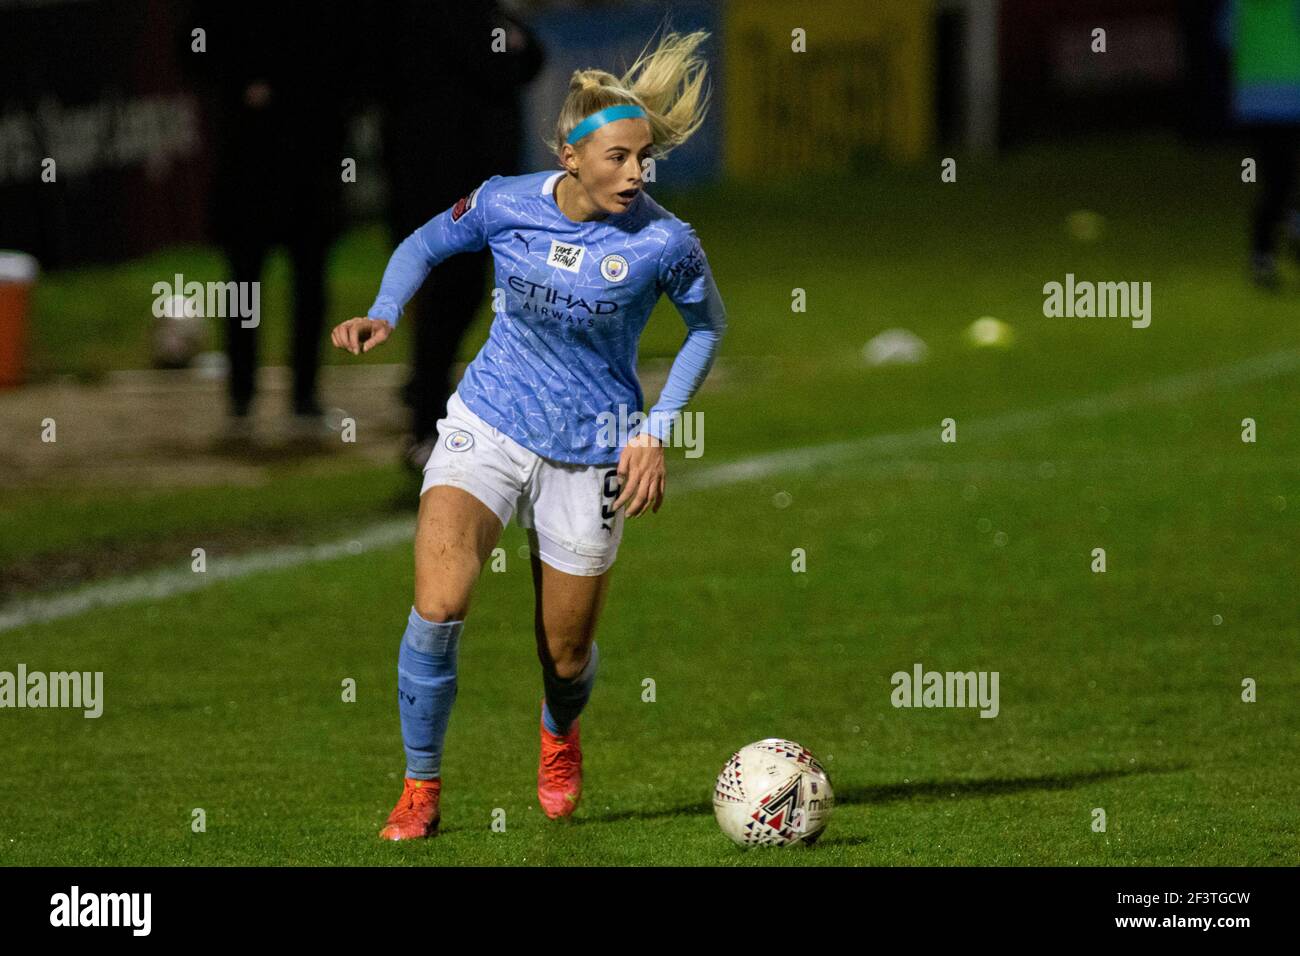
[923, 790]
[994, 787]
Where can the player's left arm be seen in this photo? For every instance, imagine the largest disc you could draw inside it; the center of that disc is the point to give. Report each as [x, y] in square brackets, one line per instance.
[684, 274]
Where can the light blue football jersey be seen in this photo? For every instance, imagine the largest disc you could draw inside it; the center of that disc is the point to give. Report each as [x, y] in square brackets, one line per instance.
[572, 299]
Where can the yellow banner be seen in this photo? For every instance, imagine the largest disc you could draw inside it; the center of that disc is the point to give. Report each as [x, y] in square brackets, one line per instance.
[827, 84]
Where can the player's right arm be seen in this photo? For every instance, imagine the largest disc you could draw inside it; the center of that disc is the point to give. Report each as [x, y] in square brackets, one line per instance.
[462, 228]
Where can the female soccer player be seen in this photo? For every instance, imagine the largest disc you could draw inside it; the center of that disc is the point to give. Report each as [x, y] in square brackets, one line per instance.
[581, 257]
[533, 429]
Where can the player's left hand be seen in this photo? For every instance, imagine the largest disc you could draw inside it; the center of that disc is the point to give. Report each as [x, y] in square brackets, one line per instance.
[641, 466]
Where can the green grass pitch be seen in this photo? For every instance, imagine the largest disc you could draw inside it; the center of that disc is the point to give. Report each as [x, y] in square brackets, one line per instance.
[1119, 691]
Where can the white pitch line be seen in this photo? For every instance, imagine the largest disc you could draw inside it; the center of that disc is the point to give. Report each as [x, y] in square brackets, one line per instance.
[159, 585]
[165, 584]
[1172, 389]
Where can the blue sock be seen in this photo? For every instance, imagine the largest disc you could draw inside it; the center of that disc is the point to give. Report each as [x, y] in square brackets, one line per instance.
[426, 689]
[565, 698]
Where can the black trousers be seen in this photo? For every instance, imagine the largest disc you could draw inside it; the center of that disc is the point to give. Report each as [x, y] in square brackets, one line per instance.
[440, 314]
[424, 180]
[307, 254]
[1275, 169]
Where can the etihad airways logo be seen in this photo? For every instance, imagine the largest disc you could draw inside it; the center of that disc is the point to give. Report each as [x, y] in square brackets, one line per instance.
[536, 295]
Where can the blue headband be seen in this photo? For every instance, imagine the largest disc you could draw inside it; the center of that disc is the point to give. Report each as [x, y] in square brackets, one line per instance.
[608, 115]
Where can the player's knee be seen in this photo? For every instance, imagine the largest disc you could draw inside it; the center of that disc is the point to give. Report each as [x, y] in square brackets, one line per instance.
[437, 611]
[567, 669]
[569, 661]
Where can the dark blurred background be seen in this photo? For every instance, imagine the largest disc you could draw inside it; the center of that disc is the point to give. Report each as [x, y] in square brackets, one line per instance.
[300, 145]
[106, 86]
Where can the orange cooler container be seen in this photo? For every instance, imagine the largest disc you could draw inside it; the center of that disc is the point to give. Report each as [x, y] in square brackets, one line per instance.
[18, 273]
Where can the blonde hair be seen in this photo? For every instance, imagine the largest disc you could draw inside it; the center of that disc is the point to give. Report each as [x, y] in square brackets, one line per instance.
[668, 83]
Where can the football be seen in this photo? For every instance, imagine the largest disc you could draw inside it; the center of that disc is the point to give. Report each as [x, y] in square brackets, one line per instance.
[773, 793]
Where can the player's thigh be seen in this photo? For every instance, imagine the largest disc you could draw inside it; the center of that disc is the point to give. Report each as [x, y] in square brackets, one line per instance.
[567, 610]
[455, 533]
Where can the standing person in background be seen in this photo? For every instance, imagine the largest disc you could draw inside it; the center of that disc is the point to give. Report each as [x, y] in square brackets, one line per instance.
[1206, 80]
[279, 101]
[451, 119]
[1265, 42]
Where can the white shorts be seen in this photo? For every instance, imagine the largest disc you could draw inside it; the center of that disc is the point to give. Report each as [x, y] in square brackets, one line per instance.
[567, 508]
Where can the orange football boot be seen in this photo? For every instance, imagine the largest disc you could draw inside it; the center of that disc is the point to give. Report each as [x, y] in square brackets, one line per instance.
[559, 772]
[416, 814]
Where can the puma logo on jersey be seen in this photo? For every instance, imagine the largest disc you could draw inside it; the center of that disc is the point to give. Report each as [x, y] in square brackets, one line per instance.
[565, 256]
[525, 240]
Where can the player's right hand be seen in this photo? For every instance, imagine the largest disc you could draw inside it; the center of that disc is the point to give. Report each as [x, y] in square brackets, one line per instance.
[360, 335]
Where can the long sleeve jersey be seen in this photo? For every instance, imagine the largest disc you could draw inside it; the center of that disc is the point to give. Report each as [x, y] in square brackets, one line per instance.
[571, 300]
